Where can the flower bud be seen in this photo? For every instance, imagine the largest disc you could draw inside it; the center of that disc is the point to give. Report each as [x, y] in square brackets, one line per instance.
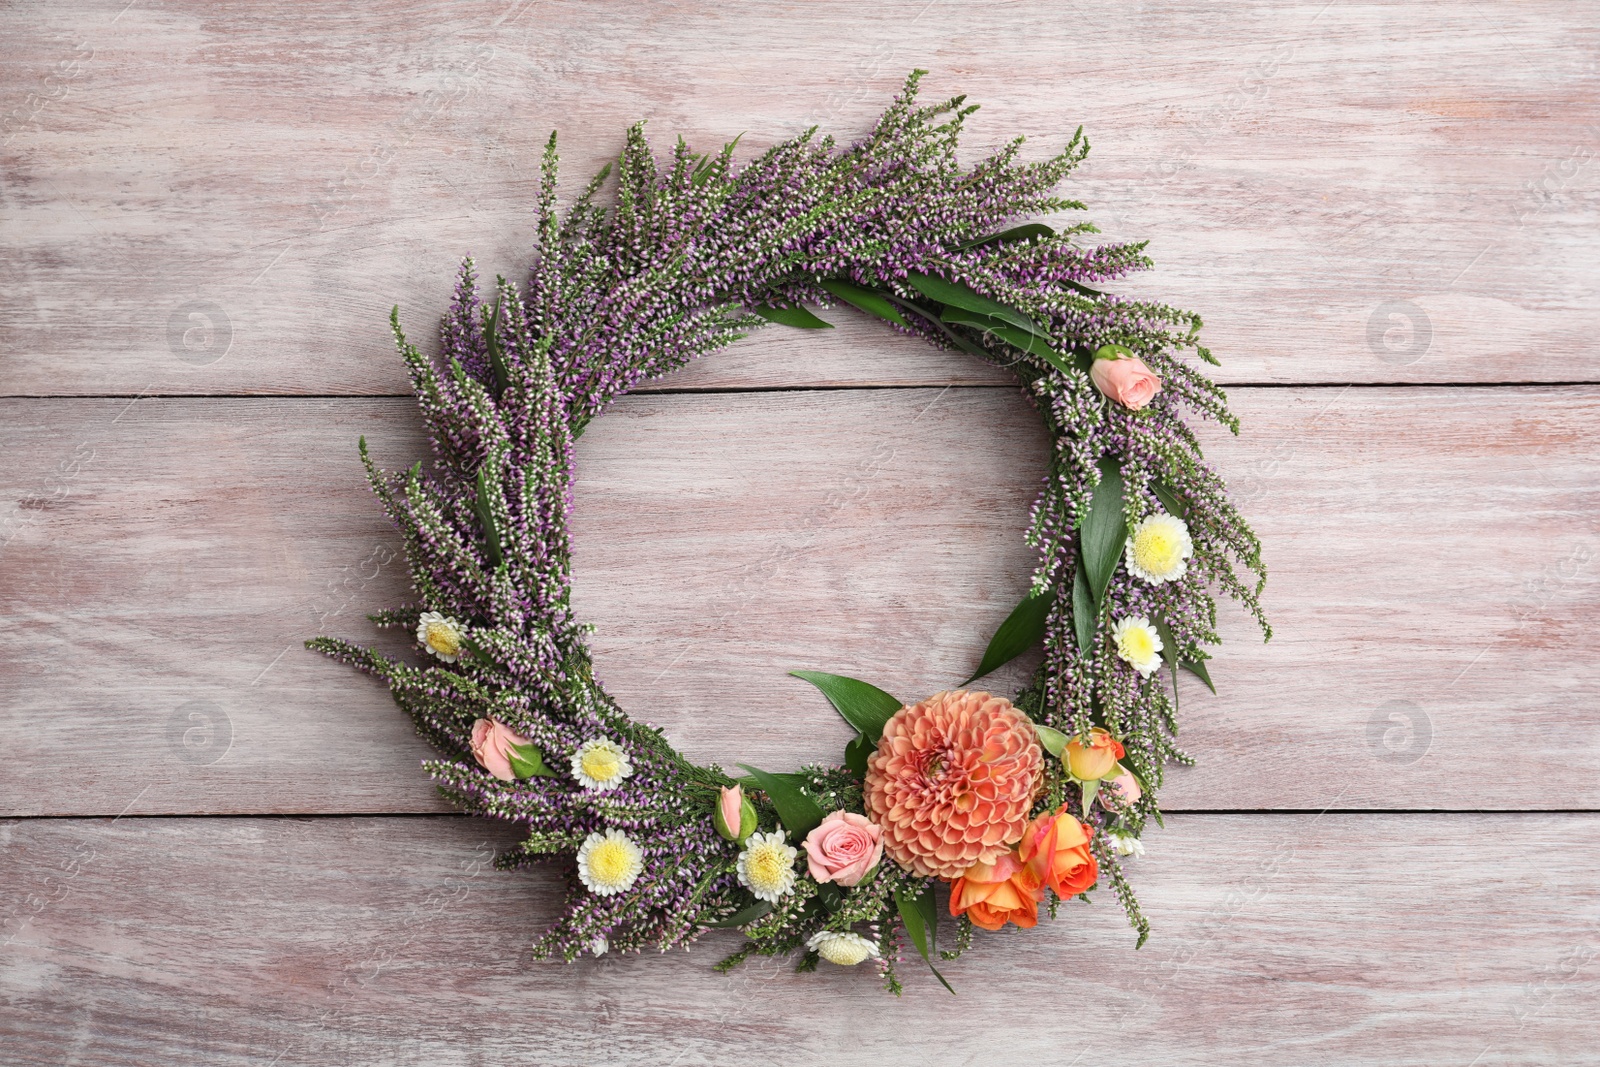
[1123, 377]
[735, 816]
[1092, 761]
[1126, 787]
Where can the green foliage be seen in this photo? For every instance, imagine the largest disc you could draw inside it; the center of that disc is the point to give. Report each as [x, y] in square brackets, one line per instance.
[1022, 629]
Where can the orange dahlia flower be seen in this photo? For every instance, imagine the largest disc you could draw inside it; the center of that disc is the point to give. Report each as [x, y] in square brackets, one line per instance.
[993, 894]
[1056, 848]
[952, 781]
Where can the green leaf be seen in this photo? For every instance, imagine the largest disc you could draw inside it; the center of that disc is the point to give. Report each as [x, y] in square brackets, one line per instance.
[950, 335]
[1169, 499]
[1083, 613]
[1023, 629]
[528, 762]
[1198, 669]
[1090, 791]
[1105, 531]
[1054, 741]
[491, 532]
[497, 356]
[955, 294]
[868, 300]
[1017, 233]
[856, 754]
[920, 914]
[1169, 647]
[799, 318]
[1011, 335]
[739, 918]
[1114, 352]
[864, 706]
[832, 896]
[1169, 652]
[799, 813]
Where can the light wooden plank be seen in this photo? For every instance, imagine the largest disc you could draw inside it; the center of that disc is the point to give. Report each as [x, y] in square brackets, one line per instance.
[1432, 554]
[291, 942]
[1326, 183]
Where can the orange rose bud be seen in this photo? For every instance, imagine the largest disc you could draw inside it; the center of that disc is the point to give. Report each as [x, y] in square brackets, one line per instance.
[1056, 848]
[1092, 762]
[993, 894]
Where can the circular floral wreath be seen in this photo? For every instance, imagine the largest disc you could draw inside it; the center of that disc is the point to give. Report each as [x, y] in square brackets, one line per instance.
[1014, 805]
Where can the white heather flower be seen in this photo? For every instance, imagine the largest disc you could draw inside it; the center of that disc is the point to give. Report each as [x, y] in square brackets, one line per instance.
[599, 946]
[1159, 549]
[766, 866]
[1138, 644]
[599, 765]
[1125, 844]
[440, 635]
[846, 950]
[609, 863]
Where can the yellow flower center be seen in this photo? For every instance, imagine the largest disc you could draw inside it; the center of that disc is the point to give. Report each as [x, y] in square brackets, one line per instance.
[442, 637]
[766, 867]
[846, 952]
[609, 862]
[1136, 644]
[601, 764]
[1157, 550]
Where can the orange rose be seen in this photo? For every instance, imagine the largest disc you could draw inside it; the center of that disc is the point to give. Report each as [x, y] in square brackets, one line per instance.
[1056, 848]
[993, 894]
[1092, 762]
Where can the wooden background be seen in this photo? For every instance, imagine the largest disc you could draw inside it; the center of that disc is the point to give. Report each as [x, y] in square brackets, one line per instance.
[219, 849]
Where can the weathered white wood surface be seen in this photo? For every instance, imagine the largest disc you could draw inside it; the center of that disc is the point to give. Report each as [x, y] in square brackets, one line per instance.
[1431, 552]
[1347, 191]
[1387, 940]
[226, 199]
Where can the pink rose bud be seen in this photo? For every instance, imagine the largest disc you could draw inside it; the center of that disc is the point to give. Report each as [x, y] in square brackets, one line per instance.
[1123, 377]
[844, 848]
[735, 817]
[1126, 786]
[490, 742]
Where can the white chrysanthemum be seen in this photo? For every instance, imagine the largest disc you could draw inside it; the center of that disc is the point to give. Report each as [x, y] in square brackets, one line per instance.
[766, 866]
[599, 765]
[1138, 643]
[1125, 844]
[1159, 549]
[609, 863]
[440, 635]
[846, 950]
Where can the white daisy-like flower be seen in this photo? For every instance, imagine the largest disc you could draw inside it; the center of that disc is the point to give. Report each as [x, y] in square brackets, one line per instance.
[1125, 844]
[1138, 644]
[609, 863]
[600, 764]
[440, 635]
[766, 866]
[1159, 549]
[846, 950]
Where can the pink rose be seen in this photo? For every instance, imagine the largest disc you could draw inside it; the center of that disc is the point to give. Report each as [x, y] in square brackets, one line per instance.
[844, 848]
[731, 807]
[1127, 381]
[1126, 786]
[490, 740]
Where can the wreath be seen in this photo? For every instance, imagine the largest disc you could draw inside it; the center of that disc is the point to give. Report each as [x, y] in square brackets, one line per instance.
[1015, 805]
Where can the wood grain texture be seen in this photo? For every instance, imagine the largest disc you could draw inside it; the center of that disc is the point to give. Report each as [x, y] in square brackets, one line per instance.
[365, 941]
[1432, 553]
[1348, 192]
